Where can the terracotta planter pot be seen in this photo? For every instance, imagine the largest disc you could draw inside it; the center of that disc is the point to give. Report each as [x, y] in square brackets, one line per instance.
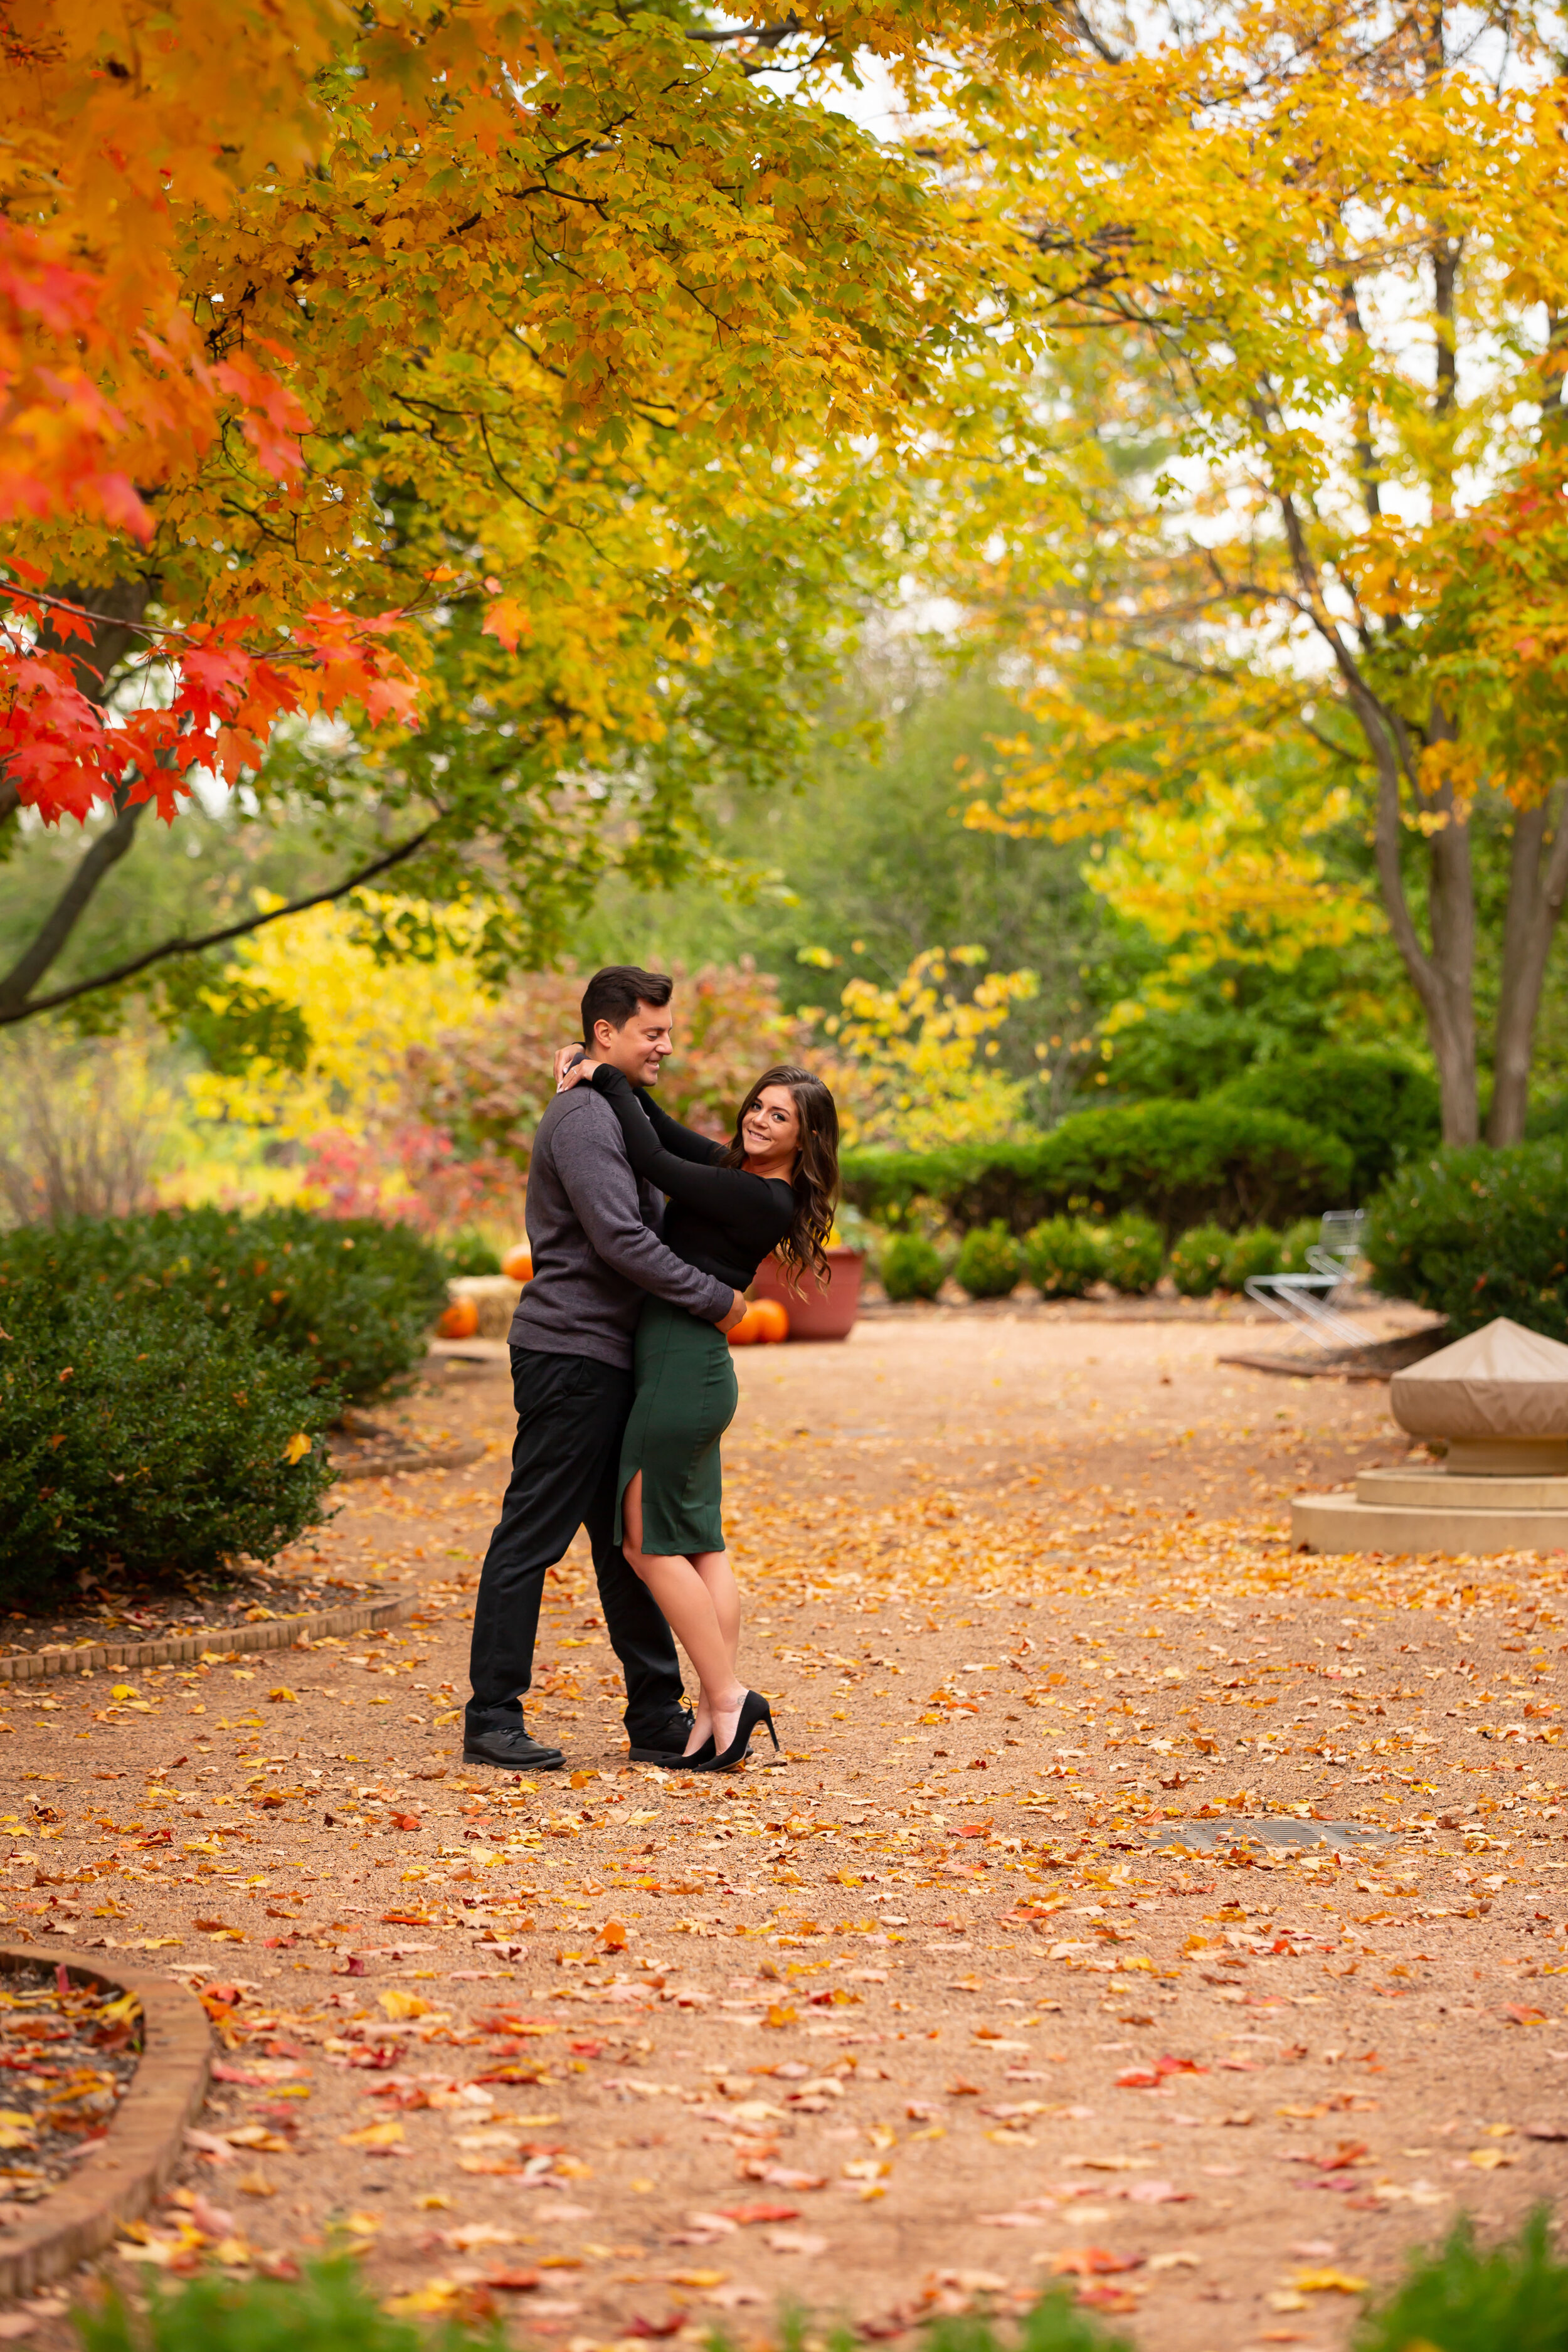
[818, 1312]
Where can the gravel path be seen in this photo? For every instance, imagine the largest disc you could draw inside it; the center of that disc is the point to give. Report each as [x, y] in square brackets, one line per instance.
[1000, 1979]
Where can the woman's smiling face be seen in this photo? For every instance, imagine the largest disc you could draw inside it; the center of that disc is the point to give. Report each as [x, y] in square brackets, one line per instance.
[770, 1128]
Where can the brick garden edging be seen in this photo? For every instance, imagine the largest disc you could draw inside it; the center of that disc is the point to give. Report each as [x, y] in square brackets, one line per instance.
[144, 2141]
[213, 1641]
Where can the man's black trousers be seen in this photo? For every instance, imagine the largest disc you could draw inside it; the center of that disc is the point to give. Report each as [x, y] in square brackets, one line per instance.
[571, 1416]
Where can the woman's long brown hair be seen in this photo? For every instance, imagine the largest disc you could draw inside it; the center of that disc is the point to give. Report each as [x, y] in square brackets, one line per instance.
[815, 1179]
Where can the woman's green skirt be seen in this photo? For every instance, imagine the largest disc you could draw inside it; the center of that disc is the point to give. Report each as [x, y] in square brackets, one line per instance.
[685, 1401]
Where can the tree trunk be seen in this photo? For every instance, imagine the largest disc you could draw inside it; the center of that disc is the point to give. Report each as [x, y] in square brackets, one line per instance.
[1537, 886]
[1443, 977]
[93, 662]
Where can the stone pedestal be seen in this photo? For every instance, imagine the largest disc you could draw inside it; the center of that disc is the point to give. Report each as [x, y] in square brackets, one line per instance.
[1498, 1401]
[1431, 1510]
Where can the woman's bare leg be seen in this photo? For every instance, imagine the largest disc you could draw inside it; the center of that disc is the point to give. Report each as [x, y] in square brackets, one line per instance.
[714, 1567]
[704, 1620]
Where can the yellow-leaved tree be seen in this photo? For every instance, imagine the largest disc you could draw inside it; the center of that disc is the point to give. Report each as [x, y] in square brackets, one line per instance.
[917, 1064]
[1296, 474]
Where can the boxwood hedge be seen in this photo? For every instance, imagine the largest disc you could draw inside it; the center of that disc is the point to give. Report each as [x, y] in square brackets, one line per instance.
[1473, 1233]
[137, 1434]
[1180, 1163]
[1376, 1104]
[352, 1298]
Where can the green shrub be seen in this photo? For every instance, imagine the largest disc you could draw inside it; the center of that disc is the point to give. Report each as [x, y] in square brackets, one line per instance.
[1199, 1259]
[1295, 1241]
[1258, 1251]
[136, 1432]
[351, 1297]
[910, 1268]
[1134, 1256]
[1182, 1163]
[1062, 1258]
[1375, 1103]
[330, 2309]
[469, 1254]
[1512, 2297]
[988, 1263]
[1472, 1234]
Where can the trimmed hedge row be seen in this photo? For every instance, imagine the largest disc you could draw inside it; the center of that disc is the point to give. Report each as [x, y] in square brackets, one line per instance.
[1473, 1233]
[352, 1299]
[1376, 1104]
[1180, 1163]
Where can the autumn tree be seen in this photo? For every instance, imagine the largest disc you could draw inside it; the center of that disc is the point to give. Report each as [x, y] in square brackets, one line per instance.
[496, 363]
[1297, 472]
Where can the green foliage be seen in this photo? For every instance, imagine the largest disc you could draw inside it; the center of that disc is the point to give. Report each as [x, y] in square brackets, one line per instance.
[1297, 1240]
[1062, 1258]
[1473, 1233]
[1377, 1104]
[1056, 2324]
[233, 1022]
[469, 1254]
[135, 1429]
[330, 2309]
[1180, 1163]
[353, 1298]
[1512, 2297]
[869, 863]
[1261, 1251]
[910, 1268]
[988, 1263]
[1199, 1260]
[1134, 1256]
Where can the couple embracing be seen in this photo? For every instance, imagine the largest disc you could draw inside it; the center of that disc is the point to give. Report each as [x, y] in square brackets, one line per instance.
[645, 1237]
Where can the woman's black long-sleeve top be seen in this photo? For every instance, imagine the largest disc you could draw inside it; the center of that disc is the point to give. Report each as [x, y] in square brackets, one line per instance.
[723, 1220]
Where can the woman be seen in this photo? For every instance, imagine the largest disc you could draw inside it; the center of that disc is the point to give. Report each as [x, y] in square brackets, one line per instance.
[773, 1187]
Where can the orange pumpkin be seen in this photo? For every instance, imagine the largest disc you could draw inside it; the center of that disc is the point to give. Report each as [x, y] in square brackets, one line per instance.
[770, 1317]
[518, 1263]
[746, 1332]
[460, 1320]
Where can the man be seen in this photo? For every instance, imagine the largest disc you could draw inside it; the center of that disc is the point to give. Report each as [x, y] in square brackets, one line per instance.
[594, 1231]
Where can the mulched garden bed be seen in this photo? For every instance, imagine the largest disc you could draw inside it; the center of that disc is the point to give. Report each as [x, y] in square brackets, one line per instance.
[68, 2052]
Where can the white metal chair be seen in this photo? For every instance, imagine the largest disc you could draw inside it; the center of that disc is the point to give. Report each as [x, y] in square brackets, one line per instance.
[1308, 1301]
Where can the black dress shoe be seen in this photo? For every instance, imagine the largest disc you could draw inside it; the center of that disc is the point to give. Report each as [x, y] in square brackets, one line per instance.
[670, 1747]
[511, 1747]
[675, 1762]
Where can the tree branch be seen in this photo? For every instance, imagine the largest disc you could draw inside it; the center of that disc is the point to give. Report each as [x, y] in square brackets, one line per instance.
[10, 1015]
[68, 908]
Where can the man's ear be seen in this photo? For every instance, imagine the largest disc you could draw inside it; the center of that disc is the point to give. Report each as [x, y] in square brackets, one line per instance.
[605, 1034]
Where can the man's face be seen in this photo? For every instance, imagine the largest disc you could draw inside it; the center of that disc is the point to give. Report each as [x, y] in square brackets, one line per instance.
[638, 1051]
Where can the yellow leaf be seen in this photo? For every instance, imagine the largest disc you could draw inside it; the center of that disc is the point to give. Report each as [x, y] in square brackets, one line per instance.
[402, 2004]
[282, 1696]
[387, 2134]
[299, 1445]
[1330, 2282]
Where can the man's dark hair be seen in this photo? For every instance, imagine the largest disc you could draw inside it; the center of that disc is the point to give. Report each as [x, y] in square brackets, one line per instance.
[614, 993]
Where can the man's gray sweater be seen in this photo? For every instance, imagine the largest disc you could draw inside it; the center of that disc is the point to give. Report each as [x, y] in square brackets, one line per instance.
[593, 1232]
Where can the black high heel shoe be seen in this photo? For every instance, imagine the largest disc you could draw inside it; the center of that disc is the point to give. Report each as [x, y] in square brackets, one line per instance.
[695, 1762]
[754, 1709]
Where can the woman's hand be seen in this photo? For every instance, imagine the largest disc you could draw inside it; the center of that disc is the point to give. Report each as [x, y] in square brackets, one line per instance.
[572, 1067]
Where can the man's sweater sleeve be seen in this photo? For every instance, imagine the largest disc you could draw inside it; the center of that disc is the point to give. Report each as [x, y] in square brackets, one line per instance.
[590, 1161]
